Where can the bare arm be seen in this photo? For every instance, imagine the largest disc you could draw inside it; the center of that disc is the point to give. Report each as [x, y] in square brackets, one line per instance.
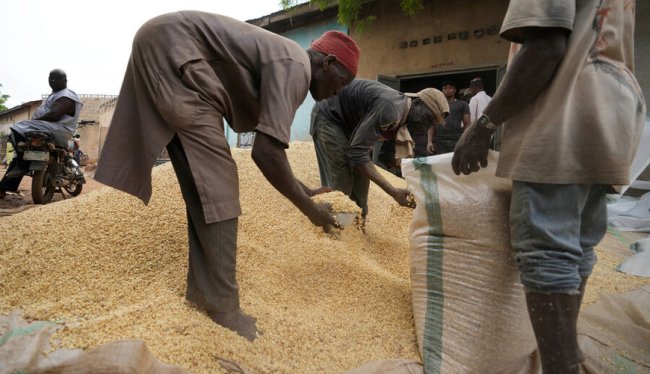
[270, 157]
[529, 73]
[399, 194]
[61, 107]
[430, 135]
[466, 120]
[528, 76]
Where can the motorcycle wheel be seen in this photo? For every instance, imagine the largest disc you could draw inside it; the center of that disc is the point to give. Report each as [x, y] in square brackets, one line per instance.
[74, 189]
[43, 187]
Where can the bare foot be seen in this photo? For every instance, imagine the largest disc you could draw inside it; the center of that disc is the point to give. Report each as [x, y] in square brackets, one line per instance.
[237, 321]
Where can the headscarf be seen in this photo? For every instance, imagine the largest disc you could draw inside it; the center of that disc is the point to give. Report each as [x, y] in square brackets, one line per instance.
[435, 100]
[340, 45]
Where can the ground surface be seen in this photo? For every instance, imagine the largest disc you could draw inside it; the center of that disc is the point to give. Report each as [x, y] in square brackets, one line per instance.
[14, 203]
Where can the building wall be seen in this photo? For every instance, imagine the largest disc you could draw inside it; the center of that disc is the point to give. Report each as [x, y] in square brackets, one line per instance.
[8, 118]
[90, 140]
[24, 112]
[468, 41]
[105, 117]
[92, 104]
[439, 38]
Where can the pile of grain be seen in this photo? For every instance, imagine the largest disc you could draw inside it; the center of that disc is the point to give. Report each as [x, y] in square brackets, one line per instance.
[339, 202]
[110, 269]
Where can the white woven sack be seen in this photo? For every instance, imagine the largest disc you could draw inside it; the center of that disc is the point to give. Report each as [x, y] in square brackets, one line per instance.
[469, 306]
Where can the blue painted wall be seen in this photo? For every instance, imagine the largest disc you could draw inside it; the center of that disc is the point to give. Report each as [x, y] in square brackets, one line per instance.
[303, 36]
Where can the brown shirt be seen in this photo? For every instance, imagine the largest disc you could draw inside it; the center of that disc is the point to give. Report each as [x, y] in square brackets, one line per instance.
[585, 127]
[187, 71]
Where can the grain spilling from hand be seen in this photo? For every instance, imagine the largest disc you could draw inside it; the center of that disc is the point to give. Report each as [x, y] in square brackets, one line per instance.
[339, 201]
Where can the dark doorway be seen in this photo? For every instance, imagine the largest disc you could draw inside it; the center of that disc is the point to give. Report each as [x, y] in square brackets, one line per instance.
[416, 83]
[491, 77]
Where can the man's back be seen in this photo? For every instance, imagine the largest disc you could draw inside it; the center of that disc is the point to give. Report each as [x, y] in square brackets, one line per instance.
[258, 70]
[68, 119]
[477, 104]
[359, 100]
[62, 126]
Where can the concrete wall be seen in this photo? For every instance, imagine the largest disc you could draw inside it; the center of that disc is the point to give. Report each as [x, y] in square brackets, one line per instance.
[89, 127]
[92, 104]
[105, 117]
[90, 140]
[439, 38]
[19, 113]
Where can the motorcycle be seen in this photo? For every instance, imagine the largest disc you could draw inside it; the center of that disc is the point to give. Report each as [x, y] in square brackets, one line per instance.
[52, 167]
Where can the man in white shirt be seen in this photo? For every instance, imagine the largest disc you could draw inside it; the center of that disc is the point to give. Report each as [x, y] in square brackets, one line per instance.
[479, 98]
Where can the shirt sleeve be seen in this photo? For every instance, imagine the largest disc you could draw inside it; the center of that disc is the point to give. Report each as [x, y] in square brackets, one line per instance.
[283, 88]
[380, 118]
[546, 13]
[473, 107]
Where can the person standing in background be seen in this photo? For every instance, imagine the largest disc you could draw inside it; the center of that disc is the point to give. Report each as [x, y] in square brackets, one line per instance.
[479, 99]
[443, 137]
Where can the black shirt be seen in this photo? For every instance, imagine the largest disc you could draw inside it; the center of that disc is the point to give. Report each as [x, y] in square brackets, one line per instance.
[453, 128]
[366, 110]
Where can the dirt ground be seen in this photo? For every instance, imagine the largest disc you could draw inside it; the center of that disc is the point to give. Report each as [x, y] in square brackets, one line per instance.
[14, 203]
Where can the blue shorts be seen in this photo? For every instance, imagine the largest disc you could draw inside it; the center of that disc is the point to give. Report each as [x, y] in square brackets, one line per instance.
[553, 231]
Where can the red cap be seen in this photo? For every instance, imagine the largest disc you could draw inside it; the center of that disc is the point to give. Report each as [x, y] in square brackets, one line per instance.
[340, 45]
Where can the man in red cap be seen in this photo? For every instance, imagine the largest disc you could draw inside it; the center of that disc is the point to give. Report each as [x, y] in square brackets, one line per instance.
[187, 72]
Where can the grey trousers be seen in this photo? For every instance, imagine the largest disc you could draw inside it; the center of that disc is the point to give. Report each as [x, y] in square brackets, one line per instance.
[553, 231]
[331, 146]
[211, 277]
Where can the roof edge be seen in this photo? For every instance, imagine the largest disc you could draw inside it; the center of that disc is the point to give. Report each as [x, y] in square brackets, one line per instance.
[19, 106]
[284, 14]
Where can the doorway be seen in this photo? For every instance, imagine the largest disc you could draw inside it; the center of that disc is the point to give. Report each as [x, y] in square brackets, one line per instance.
[462, 79]
[491, 76]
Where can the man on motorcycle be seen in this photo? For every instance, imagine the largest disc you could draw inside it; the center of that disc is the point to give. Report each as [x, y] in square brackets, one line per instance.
[58, 115]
